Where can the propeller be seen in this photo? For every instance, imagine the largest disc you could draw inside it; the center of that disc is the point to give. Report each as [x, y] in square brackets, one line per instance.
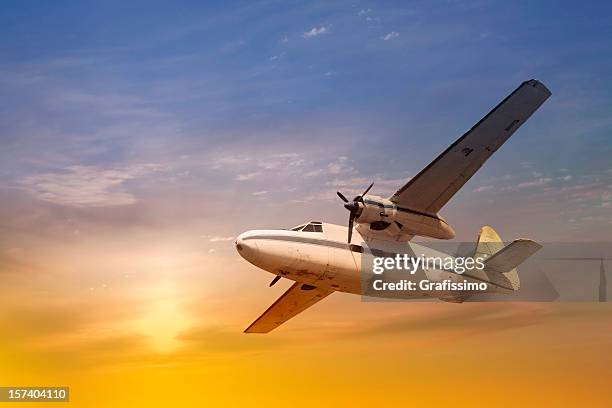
[354, 208]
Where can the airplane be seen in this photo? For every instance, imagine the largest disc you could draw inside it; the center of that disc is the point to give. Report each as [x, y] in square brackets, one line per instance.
[323, 258]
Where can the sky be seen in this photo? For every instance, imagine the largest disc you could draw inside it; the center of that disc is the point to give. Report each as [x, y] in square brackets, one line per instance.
[138, 140]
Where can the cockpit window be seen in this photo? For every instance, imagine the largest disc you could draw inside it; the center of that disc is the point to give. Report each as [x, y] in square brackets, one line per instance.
[313, 226]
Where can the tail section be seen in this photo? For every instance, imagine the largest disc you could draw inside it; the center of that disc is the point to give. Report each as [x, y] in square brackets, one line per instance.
[501, 262]
[512, 256]
[488, 243]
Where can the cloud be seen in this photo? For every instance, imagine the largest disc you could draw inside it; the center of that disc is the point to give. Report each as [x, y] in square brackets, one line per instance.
[535, 183]
[259, 193]
[249, 168]
[340, 166]
[391, 35]
[275, 161]
[86, 186]
[221, 161]
[281, 161]
[482, 188]
[315, 32]
[538, 182]
[219, 239]
[246, 176]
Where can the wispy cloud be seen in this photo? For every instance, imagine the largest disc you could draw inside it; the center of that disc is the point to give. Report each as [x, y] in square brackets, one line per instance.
[246, 176]
[315, 31]
[217, 238]
[540, 182]
[220, 161]
[340, 166]
[249, 168]
[482, 188]
[86, 186]
[391, 35]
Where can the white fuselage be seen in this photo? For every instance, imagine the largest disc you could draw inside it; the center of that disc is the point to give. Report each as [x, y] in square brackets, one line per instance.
[326, 260]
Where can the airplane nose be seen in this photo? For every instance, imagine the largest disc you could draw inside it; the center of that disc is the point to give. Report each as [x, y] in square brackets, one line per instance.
[247, 247]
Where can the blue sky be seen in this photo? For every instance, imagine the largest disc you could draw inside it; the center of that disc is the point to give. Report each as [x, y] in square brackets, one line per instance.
[186, 109]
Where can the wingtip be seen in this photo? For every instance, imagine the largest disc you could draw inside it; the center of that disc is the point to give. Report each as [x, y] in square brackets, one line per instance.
[247, 331]
[536, 245]
[538, 84]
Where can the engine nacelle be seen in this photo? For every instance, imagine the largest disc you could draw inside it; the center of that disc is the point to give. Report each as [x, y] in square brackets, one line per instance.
[381, 214]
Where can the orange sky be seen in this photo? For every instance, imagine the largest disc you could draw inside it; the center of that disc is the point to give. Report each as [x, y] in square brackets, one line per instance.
[145, 320]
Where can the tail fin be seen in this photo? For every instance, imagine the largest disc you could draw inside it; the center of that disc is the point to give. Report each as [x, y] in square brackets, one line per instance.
[501, 262]
[488, 243]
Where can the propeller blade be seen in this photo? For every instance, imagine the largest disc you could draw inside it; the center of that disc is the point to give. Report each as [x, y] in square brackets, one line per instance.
[367, 189]
[276, 279]
[353, 207]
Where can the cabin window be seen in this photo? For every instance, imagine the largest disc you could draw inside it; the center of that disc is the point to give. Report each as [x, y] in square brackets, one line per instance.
[299, 227]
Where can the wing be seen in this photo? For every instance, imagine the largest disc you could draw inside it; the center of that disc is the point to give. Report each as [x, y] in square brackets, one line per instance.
[296, 299]
[431, 189]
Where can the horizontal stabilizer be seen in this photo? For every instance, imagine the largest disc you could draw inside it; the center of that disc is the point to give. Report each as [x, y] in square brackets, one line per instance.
[511, 256]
